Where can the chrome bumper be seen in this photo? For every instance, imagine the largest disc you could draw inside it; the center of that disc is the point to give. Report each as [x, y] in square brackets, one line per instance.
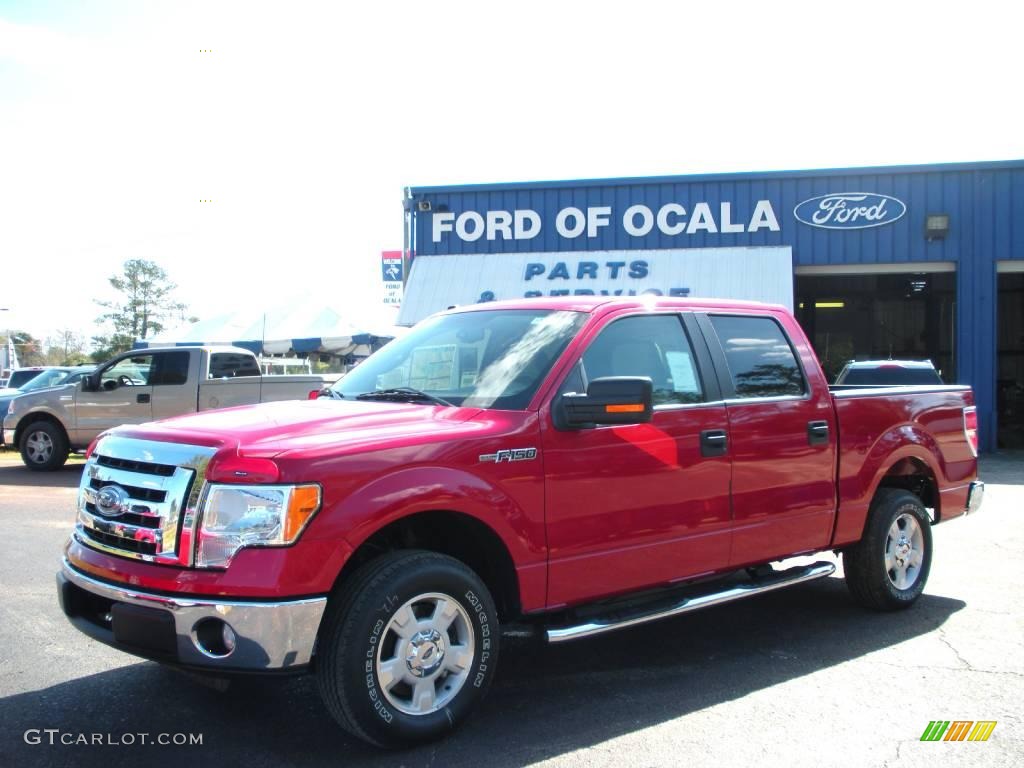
[269, 636]
[975, 495]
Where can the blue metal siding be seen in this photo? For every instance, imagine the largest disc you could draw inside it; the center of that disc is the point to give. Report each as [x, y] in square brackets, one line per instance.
[985, 202]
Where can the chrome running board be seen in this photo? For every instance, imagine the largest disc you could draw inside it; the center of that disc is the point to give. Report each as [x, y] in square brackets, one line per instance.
[628, 618]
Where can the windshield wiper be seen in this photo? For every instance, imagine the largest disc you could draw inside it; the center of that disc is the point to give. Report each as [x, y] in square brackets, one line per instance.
[403, 393]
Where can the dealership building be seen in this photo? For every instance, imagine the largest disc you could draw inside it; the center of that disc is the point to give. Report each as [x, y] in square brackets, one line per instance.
[902, 262]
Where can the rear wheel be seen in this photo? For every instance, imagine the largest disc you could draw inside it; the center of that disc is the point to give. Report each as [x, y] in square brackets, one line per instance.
[888, 568]
[43, 446]
[407, 649]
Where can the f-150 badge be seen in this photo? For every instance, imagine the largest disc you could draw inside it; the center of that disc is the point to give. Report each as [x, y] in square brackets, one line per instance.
[510, 454]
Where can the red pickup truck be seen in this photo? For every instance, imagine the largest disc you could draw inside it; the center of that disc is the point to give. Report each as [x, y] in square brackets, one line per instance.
[563, 466]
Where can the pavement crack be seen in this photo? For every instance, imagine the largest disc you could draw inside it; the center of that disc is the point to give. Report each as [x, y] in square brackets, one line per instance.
[945, 640]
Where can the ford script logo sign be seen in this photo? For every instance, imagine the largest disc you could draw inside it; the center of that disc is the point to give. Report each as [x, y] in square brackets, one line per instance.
[112, 501]
[849, 210]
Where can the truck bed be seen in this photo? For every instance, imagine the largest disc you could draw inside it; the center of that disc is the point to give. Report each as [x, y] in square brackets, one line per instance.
[922, 426]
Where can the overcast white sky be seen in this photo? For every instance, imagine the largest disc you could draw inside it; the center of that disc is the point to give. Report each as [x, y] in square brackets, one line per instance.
[306, 120]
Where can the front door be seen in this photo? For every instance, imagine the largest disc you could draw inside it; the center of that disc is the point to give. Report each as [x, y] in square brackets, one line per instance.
[124, 396]
[639, 505]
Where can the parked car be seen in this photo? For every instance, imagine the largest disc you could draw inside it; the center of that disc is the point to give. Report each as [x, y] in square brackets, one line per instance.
[566, 467]
[884, 373]
[48, 379]
[23, 376]
[137, 387]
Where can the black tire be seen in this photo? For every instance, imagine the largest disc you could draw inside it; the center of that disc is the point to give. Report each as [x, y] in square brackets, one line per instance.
[868, 577]
[357, 632]
[33, 439]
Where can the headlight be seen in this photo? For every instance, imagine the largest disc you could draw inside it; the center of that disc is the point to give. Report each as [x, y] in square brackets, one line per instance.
[10, 408]
[237, 516]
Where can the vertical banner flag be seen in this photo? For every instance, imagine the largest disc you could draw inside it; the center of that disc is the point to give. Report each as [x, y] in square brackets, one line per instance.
[391, 271]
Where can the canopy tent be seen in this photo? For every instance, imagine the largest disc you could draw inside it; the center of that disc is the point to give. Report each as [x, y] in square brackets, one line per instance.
[299, 329]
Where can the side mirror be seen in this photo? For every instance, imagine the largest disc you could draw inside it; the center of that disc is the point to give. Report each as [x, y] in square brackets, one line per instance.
[609, 400]
[90, 382]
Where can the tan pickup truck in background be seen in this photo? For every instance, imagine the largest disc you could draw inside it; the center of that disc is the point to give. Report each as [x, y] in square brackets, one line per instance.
[142, 386]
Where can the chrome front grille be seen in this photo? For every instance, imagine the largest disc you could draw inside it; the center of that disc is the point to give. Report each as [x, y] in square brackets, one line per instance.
[139, 498]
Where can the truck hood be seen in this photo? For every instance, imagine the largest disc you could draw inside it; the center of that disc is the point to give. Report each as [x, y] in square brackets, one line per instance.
[311, 426]
[24, 401]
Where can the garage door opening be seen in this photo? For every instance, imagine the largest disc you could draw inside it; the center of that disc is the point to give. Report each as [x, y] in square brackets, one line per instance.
[1010, 367]
[893, 316]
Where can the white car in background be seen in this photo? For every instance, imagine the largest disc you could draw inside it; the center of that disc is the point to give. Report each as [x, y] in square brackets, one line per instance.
[22, 376]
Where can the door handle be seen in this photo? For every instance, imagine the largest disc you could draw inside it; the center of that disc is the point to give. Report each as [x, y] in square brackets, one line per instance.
[713, 442]
[817, 432]
[142, 398]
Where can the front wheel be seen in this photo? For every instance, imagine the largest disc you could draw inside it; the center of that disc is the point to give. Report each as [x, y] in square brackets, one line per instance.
[887, 569]
[44, 446]
[407, 649]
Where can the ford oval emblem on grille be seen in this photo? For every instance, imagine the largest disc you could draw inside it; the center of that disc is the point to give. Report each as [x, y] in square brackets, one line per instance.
[112, 501]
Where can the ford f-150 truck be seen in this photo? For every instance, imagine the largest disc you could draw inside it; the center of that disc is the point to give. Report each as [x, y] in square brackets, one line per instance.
[137, 387]
[565, 466]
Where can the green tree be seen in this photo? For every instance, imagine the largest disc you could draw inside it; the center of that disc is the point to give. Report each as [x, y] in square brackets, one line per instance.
[141, 309]
[66, 348]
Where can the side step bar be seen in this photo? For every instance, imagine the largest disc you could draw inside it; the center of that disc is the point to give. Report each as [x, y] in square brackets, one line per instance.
[624, 619]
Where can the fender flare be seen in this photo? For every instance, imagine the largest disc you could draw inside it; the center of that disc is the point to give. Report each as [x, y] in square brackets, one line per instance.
[914, 443]
[39, 414]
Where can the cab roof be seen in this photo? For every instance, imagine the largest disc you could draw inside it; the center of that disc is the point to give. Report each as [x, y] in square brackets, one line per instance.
[591, 304]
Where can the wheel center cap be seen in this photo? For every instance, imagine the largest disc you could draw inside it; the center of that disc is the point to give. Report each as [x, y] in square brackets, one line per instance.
[426, 652]
[903, 549]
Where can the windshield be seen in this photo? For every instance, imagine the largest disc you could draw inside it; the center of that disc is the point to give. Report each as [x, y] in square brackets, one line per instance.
[46, 379]
[485, 359]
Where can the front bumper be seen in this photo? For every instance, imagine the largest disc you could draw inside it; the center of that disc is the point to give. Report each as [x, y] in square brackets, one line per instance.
[269, 636]
[975, 495]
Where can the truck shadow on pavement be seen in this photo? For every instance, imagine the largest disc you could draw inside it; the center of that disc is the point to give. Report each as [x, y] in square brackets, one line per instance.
[19, 475]
[547, 700]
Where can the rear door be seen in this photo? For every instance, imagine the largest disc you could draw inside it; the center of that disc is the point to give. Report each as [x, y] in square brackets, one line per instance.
[639, 505]
[172, 395]
[782, 437]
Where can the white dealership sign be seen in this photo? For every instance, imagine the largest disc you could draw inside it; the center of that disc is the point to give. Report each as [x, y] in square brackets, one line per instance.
[756, 274]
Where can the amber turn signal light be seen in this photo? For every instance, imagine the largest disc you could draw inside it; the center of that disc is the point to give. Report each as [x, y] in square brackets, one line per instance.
[302, 505]
[626, 408]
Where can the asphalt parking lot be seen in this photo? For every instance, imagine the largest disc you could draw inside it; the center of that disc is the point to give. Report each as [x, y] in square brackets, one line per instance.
[800, 677]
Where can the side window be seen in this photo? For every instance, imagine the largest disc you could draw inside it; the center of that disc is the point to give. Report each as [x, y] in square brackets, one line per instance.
[228, 365]
[761, 361]
[652, 345]
[131, 371]
[170, 368]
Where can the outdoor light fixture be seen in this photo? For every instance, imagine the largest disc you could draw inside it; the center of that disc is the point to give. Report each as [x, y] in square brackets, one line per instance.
[936, 226]
[829, 304]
